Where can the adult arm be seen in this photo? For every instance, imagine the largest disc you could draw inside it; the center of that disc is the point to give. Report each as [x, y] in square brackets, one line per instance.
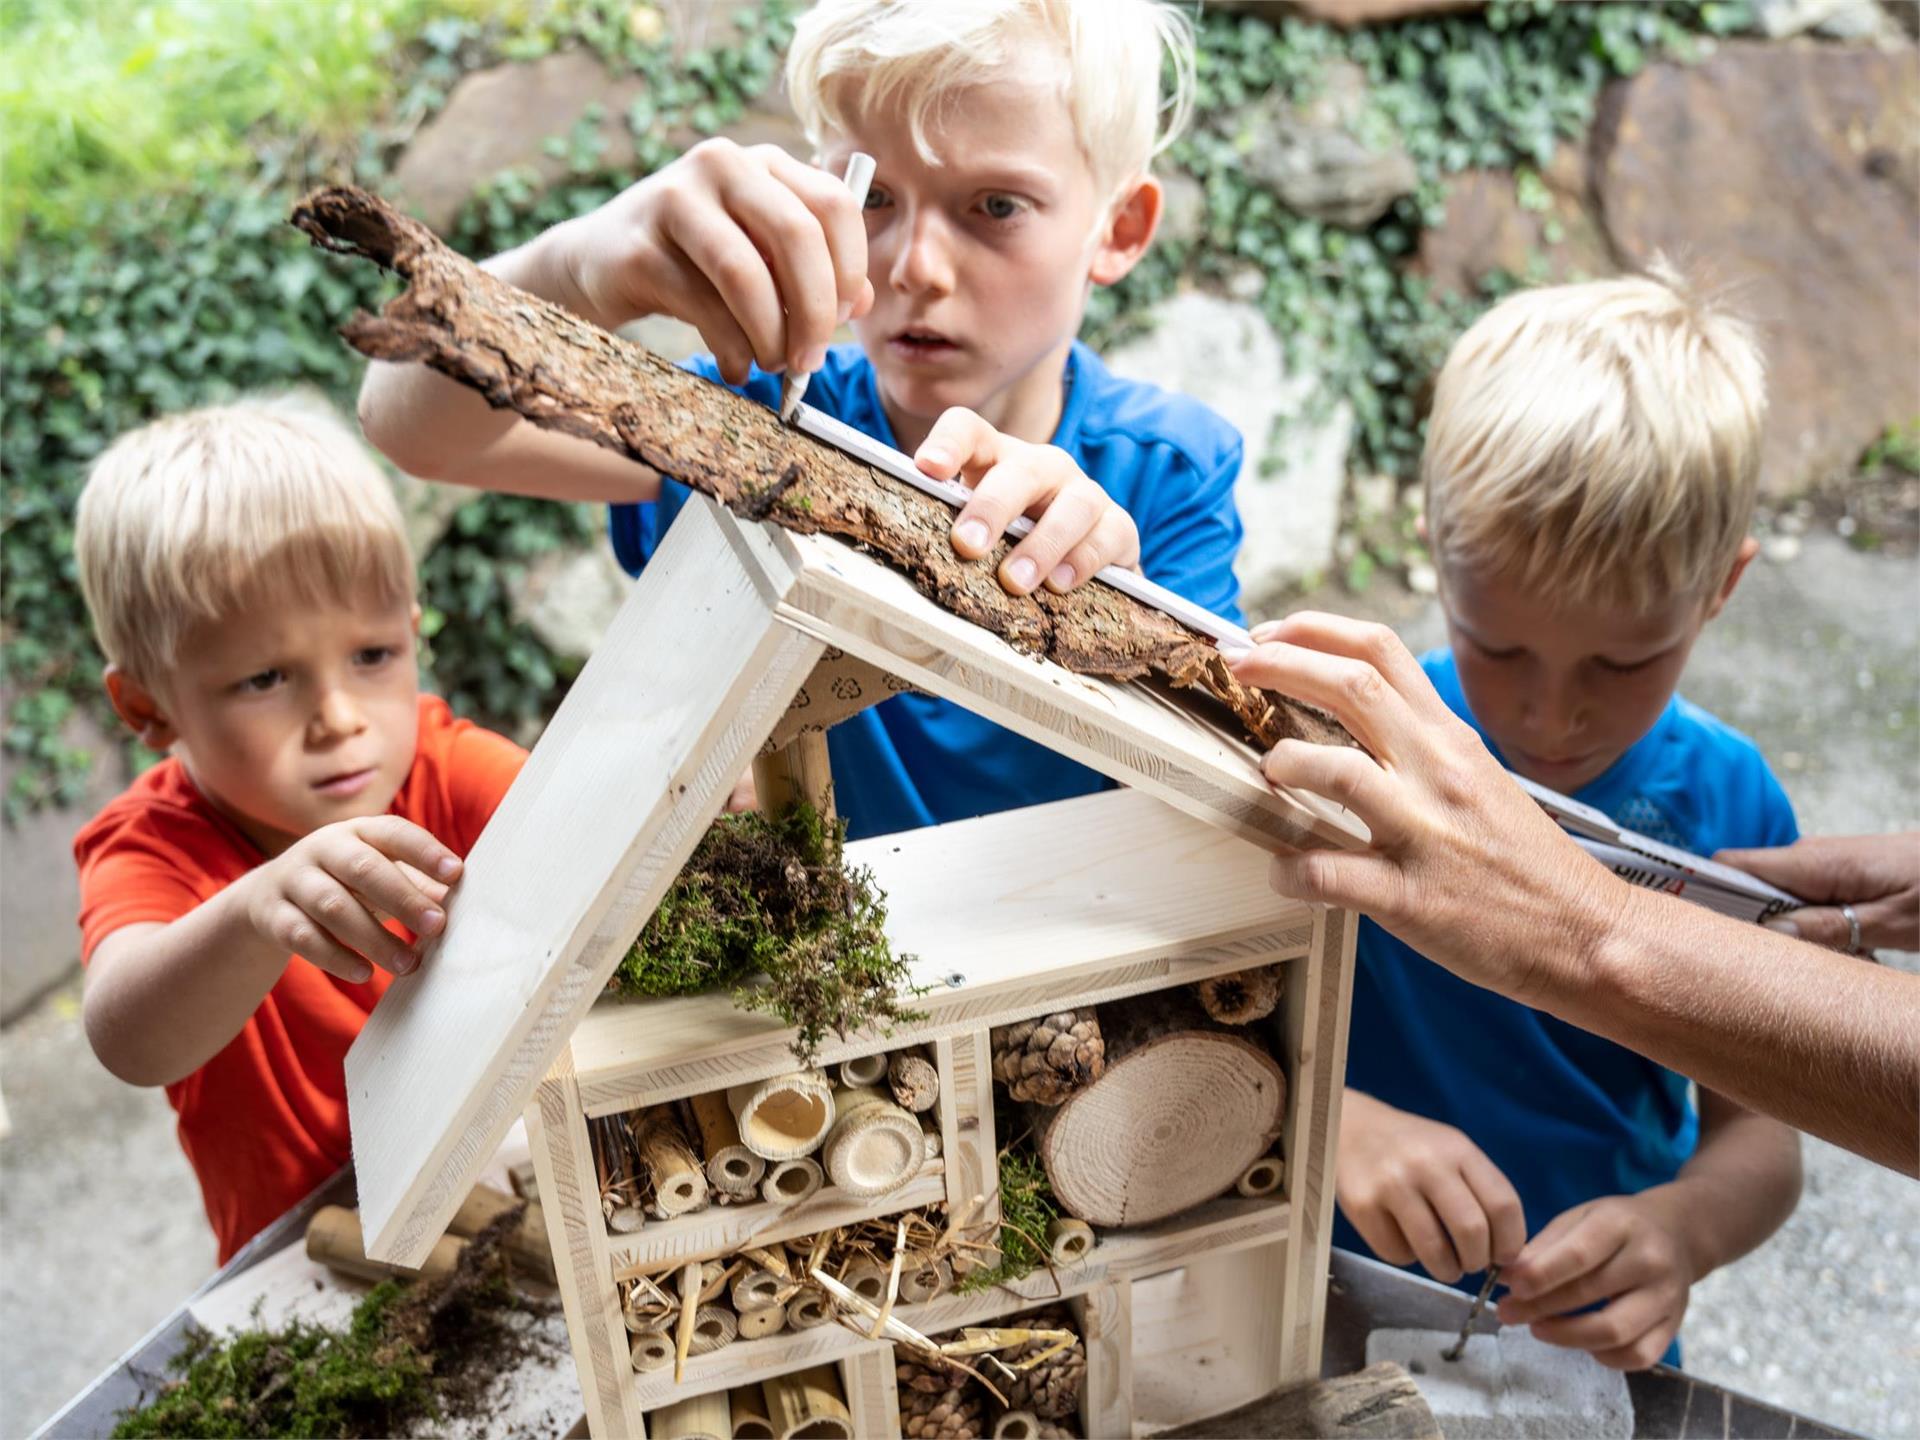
[1471, 873]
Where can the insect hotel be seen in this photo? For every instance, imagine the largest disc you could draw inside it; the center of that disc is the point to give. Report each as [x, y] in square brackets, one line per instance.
[1105, 988]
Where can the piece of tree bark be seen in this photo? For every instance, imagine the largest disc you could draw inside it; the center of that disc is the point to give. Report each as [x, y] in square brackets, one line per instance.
[561, 372]
[1184, 1106]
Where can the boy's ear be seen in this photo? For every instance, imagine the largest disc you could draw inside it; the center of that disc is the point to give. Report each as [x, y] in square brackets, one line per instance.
[139, 709]
[1742, 558]
[1130, 228]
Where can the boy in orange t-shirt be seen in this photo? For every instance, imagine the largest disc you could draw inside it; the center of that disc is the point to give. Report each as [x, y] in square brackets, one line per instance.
[247, 901]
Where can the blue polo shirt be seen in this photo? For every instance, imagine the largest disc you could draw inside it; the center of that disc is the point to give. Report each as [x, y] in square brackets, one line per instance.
[1168, 460]
[1568, 1116]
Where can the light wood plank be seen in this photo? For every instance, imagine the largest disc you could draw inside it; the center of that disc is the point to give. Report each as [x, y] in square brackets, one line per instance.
[570, 1191]
[1316, 1003]
[840, 687]
[639, 758]
[967, 1138]
[1129, 732]
[1206, 1337]
[1105, 1313]
[1134, 895]
[873, 1394]
[662, 1244]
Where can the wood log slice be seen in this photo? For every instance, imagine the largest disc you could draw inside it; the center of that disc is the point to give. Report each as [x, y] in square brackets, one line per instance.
[914, 1081]
[1183, 1108]
[874, 1146]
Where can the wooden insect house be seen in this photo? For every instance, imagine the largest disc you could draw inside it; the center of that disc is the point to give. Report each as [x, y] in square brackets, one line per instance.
[1110, 1014]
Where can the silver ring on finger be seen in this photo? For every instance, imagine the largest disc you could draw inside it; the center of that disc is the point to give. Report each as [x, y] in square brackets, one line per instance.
[1853, 929]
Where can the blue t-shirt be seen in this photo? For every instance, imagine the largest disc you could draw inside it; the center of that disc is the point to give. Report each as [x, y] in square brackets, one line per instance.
[1569, 1117]
[1168, 461]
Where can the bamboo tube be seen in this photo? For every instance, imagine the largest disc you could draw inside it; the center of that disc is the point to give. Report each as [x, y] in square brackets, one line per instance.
[863, 1071]
[1069, 1240]
[1016, 1425]
[874, 1146]
[334, 1240]
[925, 1277]
[808, 1405]
[772, 1258]
[525, 1240]
[731, 1166]
[749, 1407]
[808, 1309]
[785, 1117]
[714, 1328]
[914, 1081]
[1263, 1177]
[703, 1417]
[756, 1290]
[789, 1182]
[767, 1320]
[867, 1279]
[652, 1351]
[679, 1184]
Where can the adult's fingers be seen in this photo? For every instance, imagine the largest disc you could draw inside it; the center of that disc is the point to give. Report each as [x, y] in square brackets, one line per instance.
[1345, 776]
[1351, 880]
[791, 238]
[1115, 541]
[1355, 691]
[1824, 926]
[841, 221]
[1362, 640]
[1501, 1202]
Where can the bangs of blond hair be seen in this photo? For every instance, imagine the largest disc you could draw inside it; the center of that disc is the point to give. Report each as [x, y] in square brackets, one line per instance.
[1598, 443]
[270, 500]
[915, 55]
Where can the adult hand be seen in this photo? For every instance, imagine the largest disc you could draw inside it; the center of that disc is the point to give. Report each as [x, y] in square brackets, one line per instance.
[1449, 827]
[1879, 875]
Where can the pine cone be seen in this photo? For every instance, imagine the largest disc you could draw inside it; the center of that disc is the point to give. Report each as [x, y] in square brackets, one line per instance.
[1050, 1389]
[938, 1404]
[1046, 1060]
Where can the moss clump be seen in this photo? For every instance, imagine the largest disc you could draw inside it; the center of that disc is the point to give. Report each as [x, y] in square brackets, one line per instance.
[408, 1353]
[1026, 1209]
[773, 897]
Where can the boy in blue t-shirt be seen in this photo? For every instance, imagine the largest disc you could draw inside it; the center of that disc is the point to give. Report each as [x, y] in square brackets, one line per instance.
[1589, 469]
[1013, 140]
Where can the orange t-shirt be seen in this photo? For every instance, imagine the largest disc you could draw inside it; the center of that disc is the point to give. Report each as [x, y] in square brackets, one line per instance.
[265, 1120]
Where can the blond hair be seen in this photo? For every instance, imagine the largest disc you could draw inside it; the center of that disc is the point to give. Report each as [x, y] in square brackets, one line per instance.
[1598, 442]
[265, 500]
[917, 53]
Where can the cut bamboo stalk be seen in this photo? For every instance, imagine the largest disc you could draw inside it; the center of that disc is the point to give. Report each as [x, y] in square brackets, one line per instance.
[749, 1407]
[525, 1240]
[808, 1405]
[756, 1290]
[679, 1184]
[808, 1309]
[914, 1081]
[785, 1117]
[863, 1071]
[1016, 1425]
[867, 1279]
[1263, 1177]
[334, 1240]
[651, 1351]
[893, 1325]
[1069, 1240]
[731, 1166]
[714, 1328]
[789, 1182]
[703, 1417]
[926, 1277]
[772, 1258]
[893, 1281]
[767, 1320]
[874, 1146]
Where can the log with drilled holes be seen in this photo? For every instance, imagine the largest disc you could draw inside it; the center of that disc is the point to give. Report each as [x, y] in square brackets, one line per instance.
[1184, 1106]
[565, 374]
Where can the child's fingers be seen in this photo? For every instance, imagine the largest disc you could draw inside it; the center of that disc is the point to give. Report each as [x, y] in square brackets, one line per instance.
[1073, 514]
[1611, 1328]
[1572, 1245]
[845, 227]
[790, 237]
[1468, 1230]
[433, 889]
[960, 446]
[716, 245]
[399, 839]
[294, 931]
[1427, 1234]
[1613, 1276]
[345, 919]
[1115, 541]
[1501, 1204]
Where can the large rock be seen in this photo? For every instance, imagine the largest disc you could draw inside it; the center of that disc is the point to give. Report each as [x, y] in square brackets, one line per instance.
[1488, 229]
[1315, 157]
[1226, 355]
[1790, 172]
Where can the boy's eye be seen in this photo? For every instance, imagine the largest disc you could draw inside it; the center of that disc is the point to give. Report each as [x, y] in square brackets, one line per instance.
[1001, 207]
[374, 654]
[876, 199]
[261, 681]
[1626, 667]
[1493, 654]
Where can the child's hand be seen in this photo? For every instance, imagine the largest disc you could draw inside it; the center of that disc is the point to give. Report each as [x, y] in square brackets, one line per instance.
[1627, 1250]
[763, 255]
[1419, 1190]
[324, 897]
[1077, 530]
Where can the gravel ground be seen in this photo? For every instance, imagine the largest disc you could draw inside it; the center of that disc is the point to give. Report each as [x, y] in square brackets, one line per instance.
[101, 1232]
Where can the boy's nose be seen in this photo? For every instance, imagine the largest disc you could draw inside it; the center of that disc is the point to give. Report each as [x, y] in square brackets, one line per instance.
[336, 714]
[924, 262]
[1559, 713]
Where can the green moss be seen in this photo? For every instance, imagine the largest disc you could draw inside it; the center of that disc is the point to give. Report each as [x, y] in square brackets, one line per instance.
[1026, 1209]
[773, 898]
